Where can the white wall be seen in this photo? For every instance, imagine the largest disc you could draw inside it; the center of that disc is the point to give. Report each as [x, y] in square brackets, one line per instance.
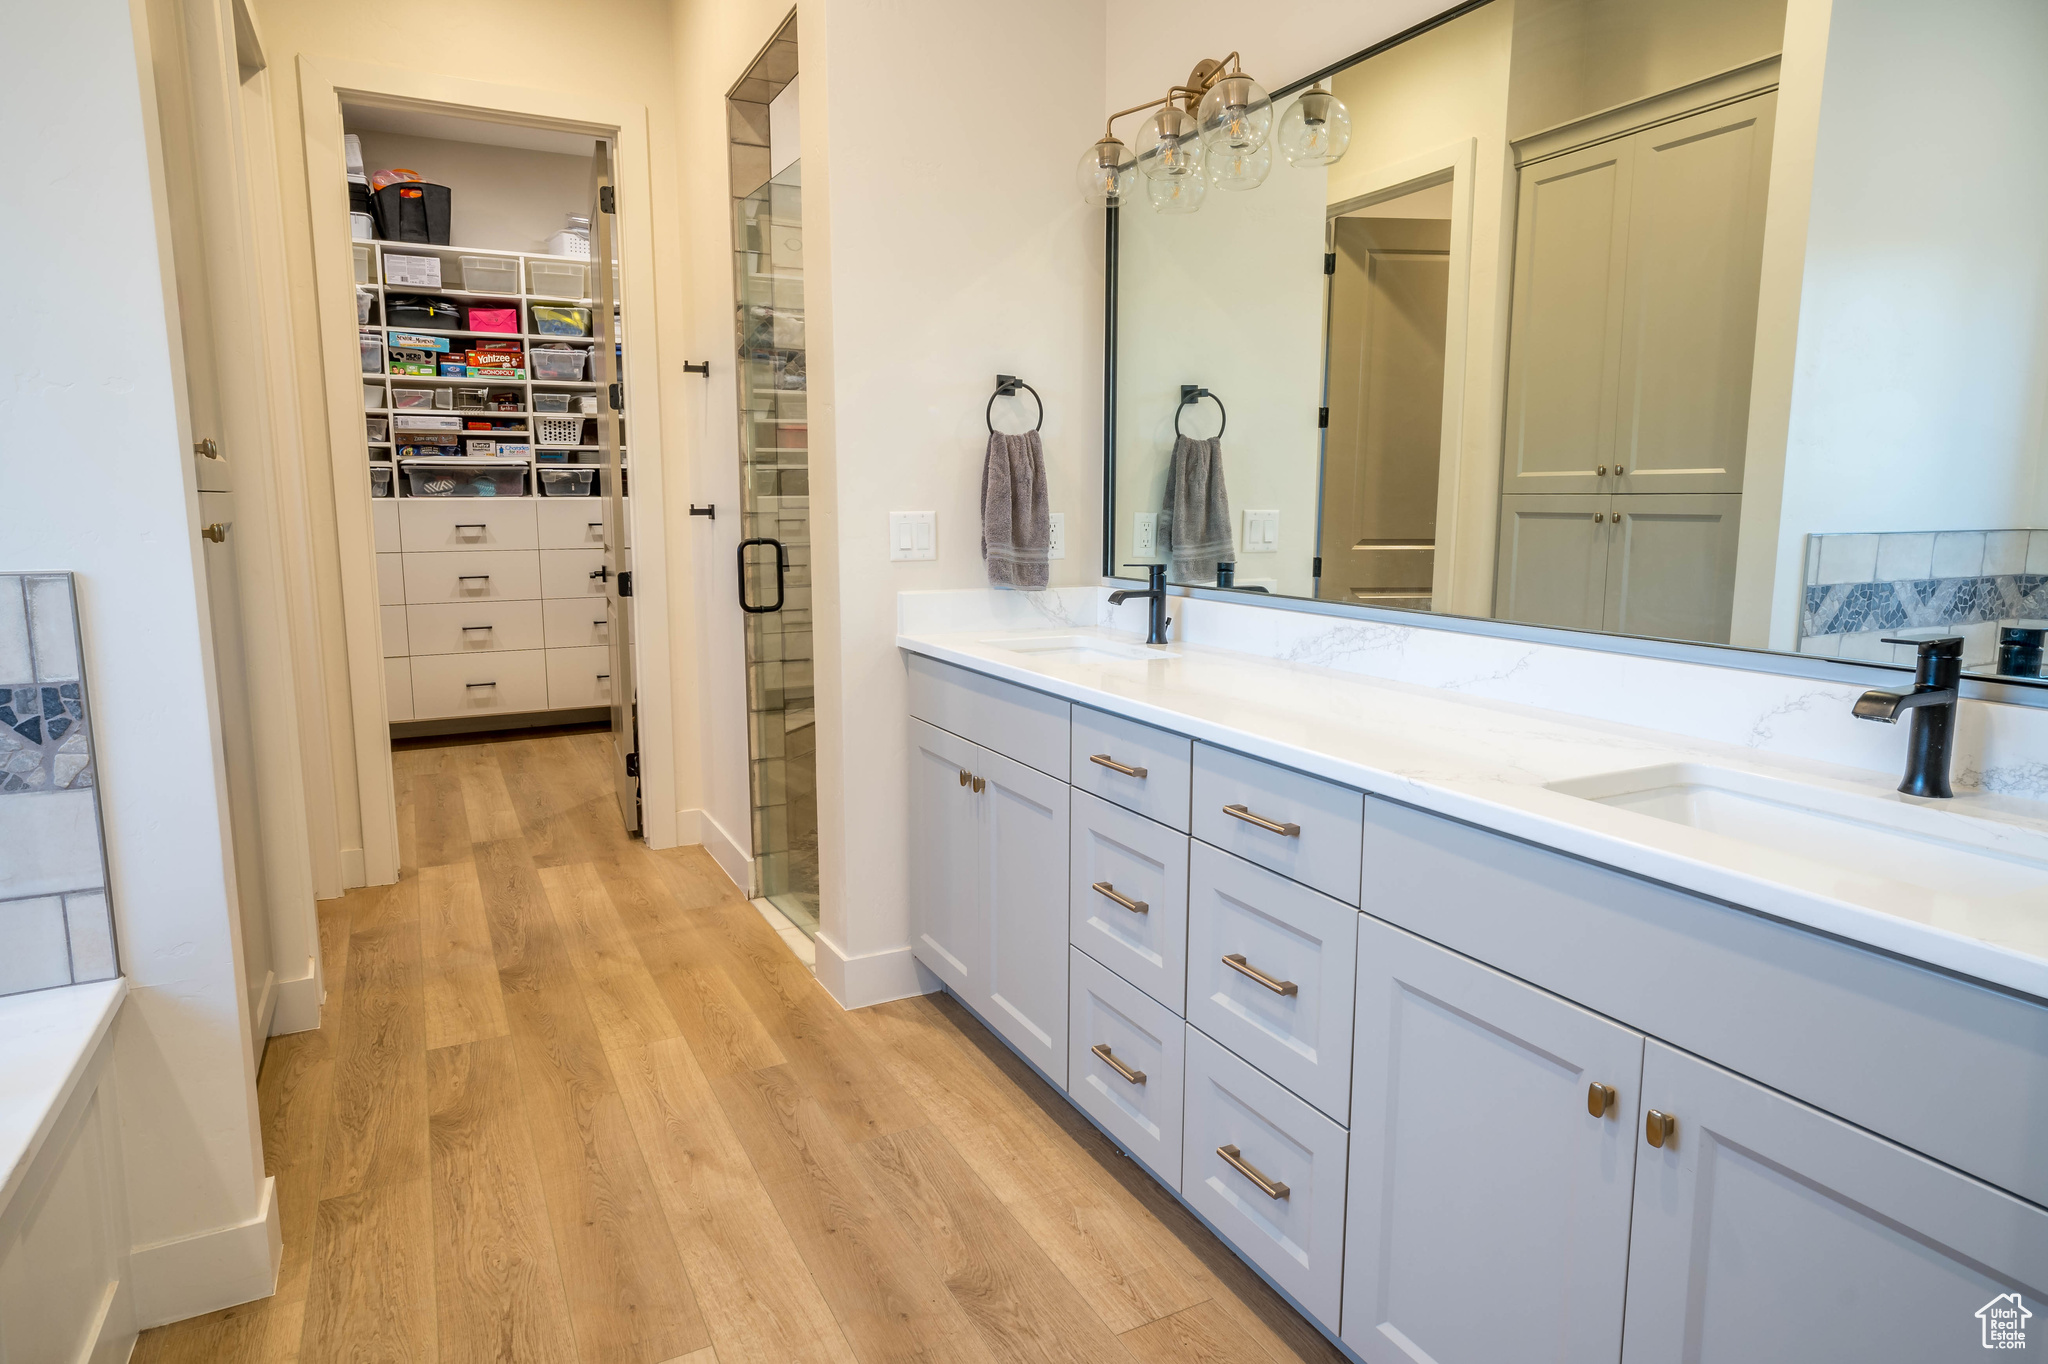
[115, 503]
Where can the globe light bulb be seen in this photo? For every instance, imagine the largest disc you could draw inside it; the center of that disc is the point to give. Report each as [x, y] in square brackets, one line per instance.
[1315, 130]
[1168, 147]
[1236, 113]
[1231, 168]
[1177, 193]
[1107, 170]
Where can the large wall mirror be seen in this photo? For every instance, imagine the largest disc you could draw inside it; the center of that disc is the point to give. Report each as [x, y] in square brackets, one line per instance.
[1646, 317]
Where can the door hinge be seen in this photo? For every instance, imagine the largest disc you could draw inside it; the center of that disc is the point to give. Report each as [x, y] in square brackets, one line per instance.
[605, 201]
[1323, 417]
[617, 395]
[632, 764]
[1329, 262]
[1316, 570]
[625, 583]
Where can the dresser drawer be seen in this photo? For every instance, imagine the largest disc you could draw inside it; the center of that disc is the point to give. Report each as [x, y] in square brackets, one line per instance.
[1300, 826]
[472, 575]
[1140, 767]
[459, 684]
[1272, 970]
[384, 525]
[1117, 851]
[398, 689]
[579, 677]
[1017, 722]
[1134, 1091]
[474, 627]
[391, 580]
[566, 573]
[436, 523]
[574, 624]
[571, 522]
[391, 626]
[1292, 1225]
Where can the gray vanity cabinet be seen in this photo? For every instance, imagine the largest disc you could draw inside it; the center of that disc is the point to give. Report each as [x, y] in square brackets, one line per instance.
[950, 936]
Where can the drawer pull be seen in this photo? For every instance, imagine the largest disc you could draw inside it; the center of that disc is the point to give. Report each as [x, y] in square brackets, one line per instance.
[1104, 760]
[472, 686]
[471, 525]
[472, 577]
[1271, 1188]
[1260, 821]
[604, 677]
[1136, 1077]
[1599, 1098]
[467, 628]
[1658, 1127]
[1109, 892]
[1236, 962]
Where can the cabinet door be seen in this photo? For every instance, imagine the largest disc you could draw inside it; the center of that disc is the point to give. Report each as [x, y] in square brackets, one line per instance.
[1767, 1230]
[1023, 904]
[1671, 565]
[1552, 568]
[1564, 342]
[1476, 1160]
[1695, 255]
[948, 934]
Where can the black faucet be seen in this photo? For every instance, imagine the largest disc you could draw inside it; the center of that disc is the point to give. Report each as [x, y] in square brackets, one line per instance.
[1155, 589]
[1937, 680]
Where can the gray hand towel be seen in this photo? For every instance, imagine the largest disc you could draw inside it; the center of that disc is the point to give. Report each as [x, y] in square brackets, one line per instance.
[1194, 526]
[1016, 515]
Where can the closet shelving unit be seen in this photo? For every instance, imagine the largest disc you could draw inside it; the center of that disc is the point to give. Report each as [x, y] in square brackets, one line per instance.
[369, 261]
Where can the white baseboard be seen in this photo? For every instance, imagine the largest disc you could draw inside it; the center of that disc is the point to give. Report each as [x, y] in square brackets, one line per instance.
[354, 870]
[112, 1338]
[697, 826]
[872, 977]
[266, 1010]
[298, 1003]
[194, 1275]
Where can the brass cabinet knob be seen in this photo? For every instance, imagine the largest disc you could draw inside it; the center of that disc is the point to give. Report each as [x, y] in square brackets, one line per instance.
[1600, 470]
[1599, 1099]
[965, 777]
[207, 449]
[1619, 470]
[216, 532]
[980, 784]
[1599, 516]
[1659, 1127]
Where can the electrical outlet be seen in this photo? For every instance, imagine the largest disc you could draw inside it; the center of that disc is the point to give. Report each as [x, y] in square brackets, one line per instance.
[1056, 542]
[1145, 535]
[913, 535]
[1261, 533]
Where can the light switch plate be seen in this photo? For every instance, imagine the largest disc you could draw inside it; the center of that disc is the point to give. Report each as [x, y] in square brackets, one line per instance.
[1056, 543]
[1261, 532]
[1145, 533]
[914, 535]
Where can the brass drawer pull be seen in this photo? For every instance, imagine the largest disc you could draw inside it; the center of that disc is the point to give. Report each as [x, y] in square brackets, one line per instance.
[980, 785]
[965, 776]
[1260, 821]
[1271, 1188]
[1236, 962]
[1658, 1128]
[1599, 1099]
[1109, 892]
[1136, 1077]
[1104, 760]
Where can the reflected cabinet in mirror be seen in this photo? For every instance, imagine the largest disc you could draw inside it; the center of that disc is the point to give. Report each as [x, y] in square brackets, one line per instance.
[1719, 321]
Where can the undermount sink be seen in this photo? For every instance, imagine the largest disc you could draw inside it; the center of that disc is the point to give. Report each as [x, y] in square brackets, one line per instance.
[1935, 848]
[1081, 647]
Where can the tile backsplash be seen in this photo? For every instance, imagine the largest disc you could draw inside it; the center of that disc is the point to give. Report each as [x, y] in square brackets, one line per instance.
[55, 924]
[1861, 588]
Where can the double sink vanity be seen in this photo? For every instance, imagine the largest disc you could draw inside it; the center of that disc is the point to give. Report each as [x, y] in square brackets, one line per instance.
[1484, 1032]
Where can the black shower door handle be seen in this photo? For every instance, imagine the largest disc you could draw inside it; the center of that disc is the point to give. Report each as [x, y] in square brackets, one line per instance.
[781, 570]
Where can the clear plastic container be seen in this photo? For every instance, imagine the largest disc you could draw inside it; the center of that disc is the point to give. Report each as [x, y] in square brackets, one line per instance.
[557, 321]
[379, 428]
[373, 397]
[490, 274]
[558, 363]
[411, 397]
[559, 279]
[380, 481]
[566, 482]
[362, 262]
[361, 226]
[551, 402]
[373, 353]
[465, 478]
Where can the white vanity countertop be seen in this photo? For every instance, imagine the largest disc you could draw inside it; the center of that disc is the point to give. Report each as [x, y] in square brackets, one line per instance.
[47, 1040]
[1490, 762]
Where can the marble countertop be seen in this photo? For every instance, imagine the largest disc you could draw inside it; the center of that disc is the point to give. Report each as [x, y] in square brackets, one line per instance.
[1490, 763]
[47, 1042]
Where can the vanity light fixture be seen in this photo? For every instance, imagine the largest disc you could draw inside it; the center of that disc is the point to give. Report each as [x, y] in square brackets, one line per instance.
[1215, 130]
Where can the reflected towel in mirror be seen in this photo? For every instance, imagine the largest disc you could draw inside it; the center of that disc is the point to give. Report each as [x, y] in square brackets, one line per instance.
[1016, 513]
[1194, 524]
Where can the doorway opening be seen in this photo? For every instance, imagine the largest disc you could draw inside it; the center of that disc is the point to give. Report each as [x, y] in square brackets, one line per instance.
[774, 454]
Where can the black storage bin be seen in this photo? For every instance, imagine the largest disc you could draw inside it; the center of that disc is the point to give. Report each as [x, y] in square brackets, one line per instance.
[359, 200]
[413, 211]
[413, 310]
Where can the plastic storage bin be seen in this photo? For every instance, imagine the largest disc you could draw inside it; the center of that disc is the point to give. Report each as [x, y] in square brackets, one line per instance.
[362, 250]
[379, 428]
[380, 482]
[490, 274]
[551, 402]
[373, 397]
[402, 398]
[427, 314]
[373, 353]
[362, 226]
[465, 478]
[559, 279]
[566, 482]
[549, 320]
[558, 430]
[565, 363]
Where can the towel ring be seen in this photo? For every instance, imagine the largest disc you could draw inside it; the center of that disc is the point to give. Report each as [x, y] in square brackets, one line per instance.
[1189, 395]
[1006, 387]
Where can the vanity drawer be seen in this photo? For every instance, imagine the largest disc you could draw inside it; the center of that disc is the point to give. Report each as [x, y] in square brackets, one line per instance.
[1115, 850]
[391, 580]
[434, 523]
[1162, 756]
[398, 689]
[480, 627]
[459, 684]
[1326, 820]
[384, 525]
[574, 624]
[579, 677]
[566, 573]
[1295, 1024]
[1293, 1228]
[571, 522]
[1014, 721]
[391, 626]
[1143, 1113]
[472, 575]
